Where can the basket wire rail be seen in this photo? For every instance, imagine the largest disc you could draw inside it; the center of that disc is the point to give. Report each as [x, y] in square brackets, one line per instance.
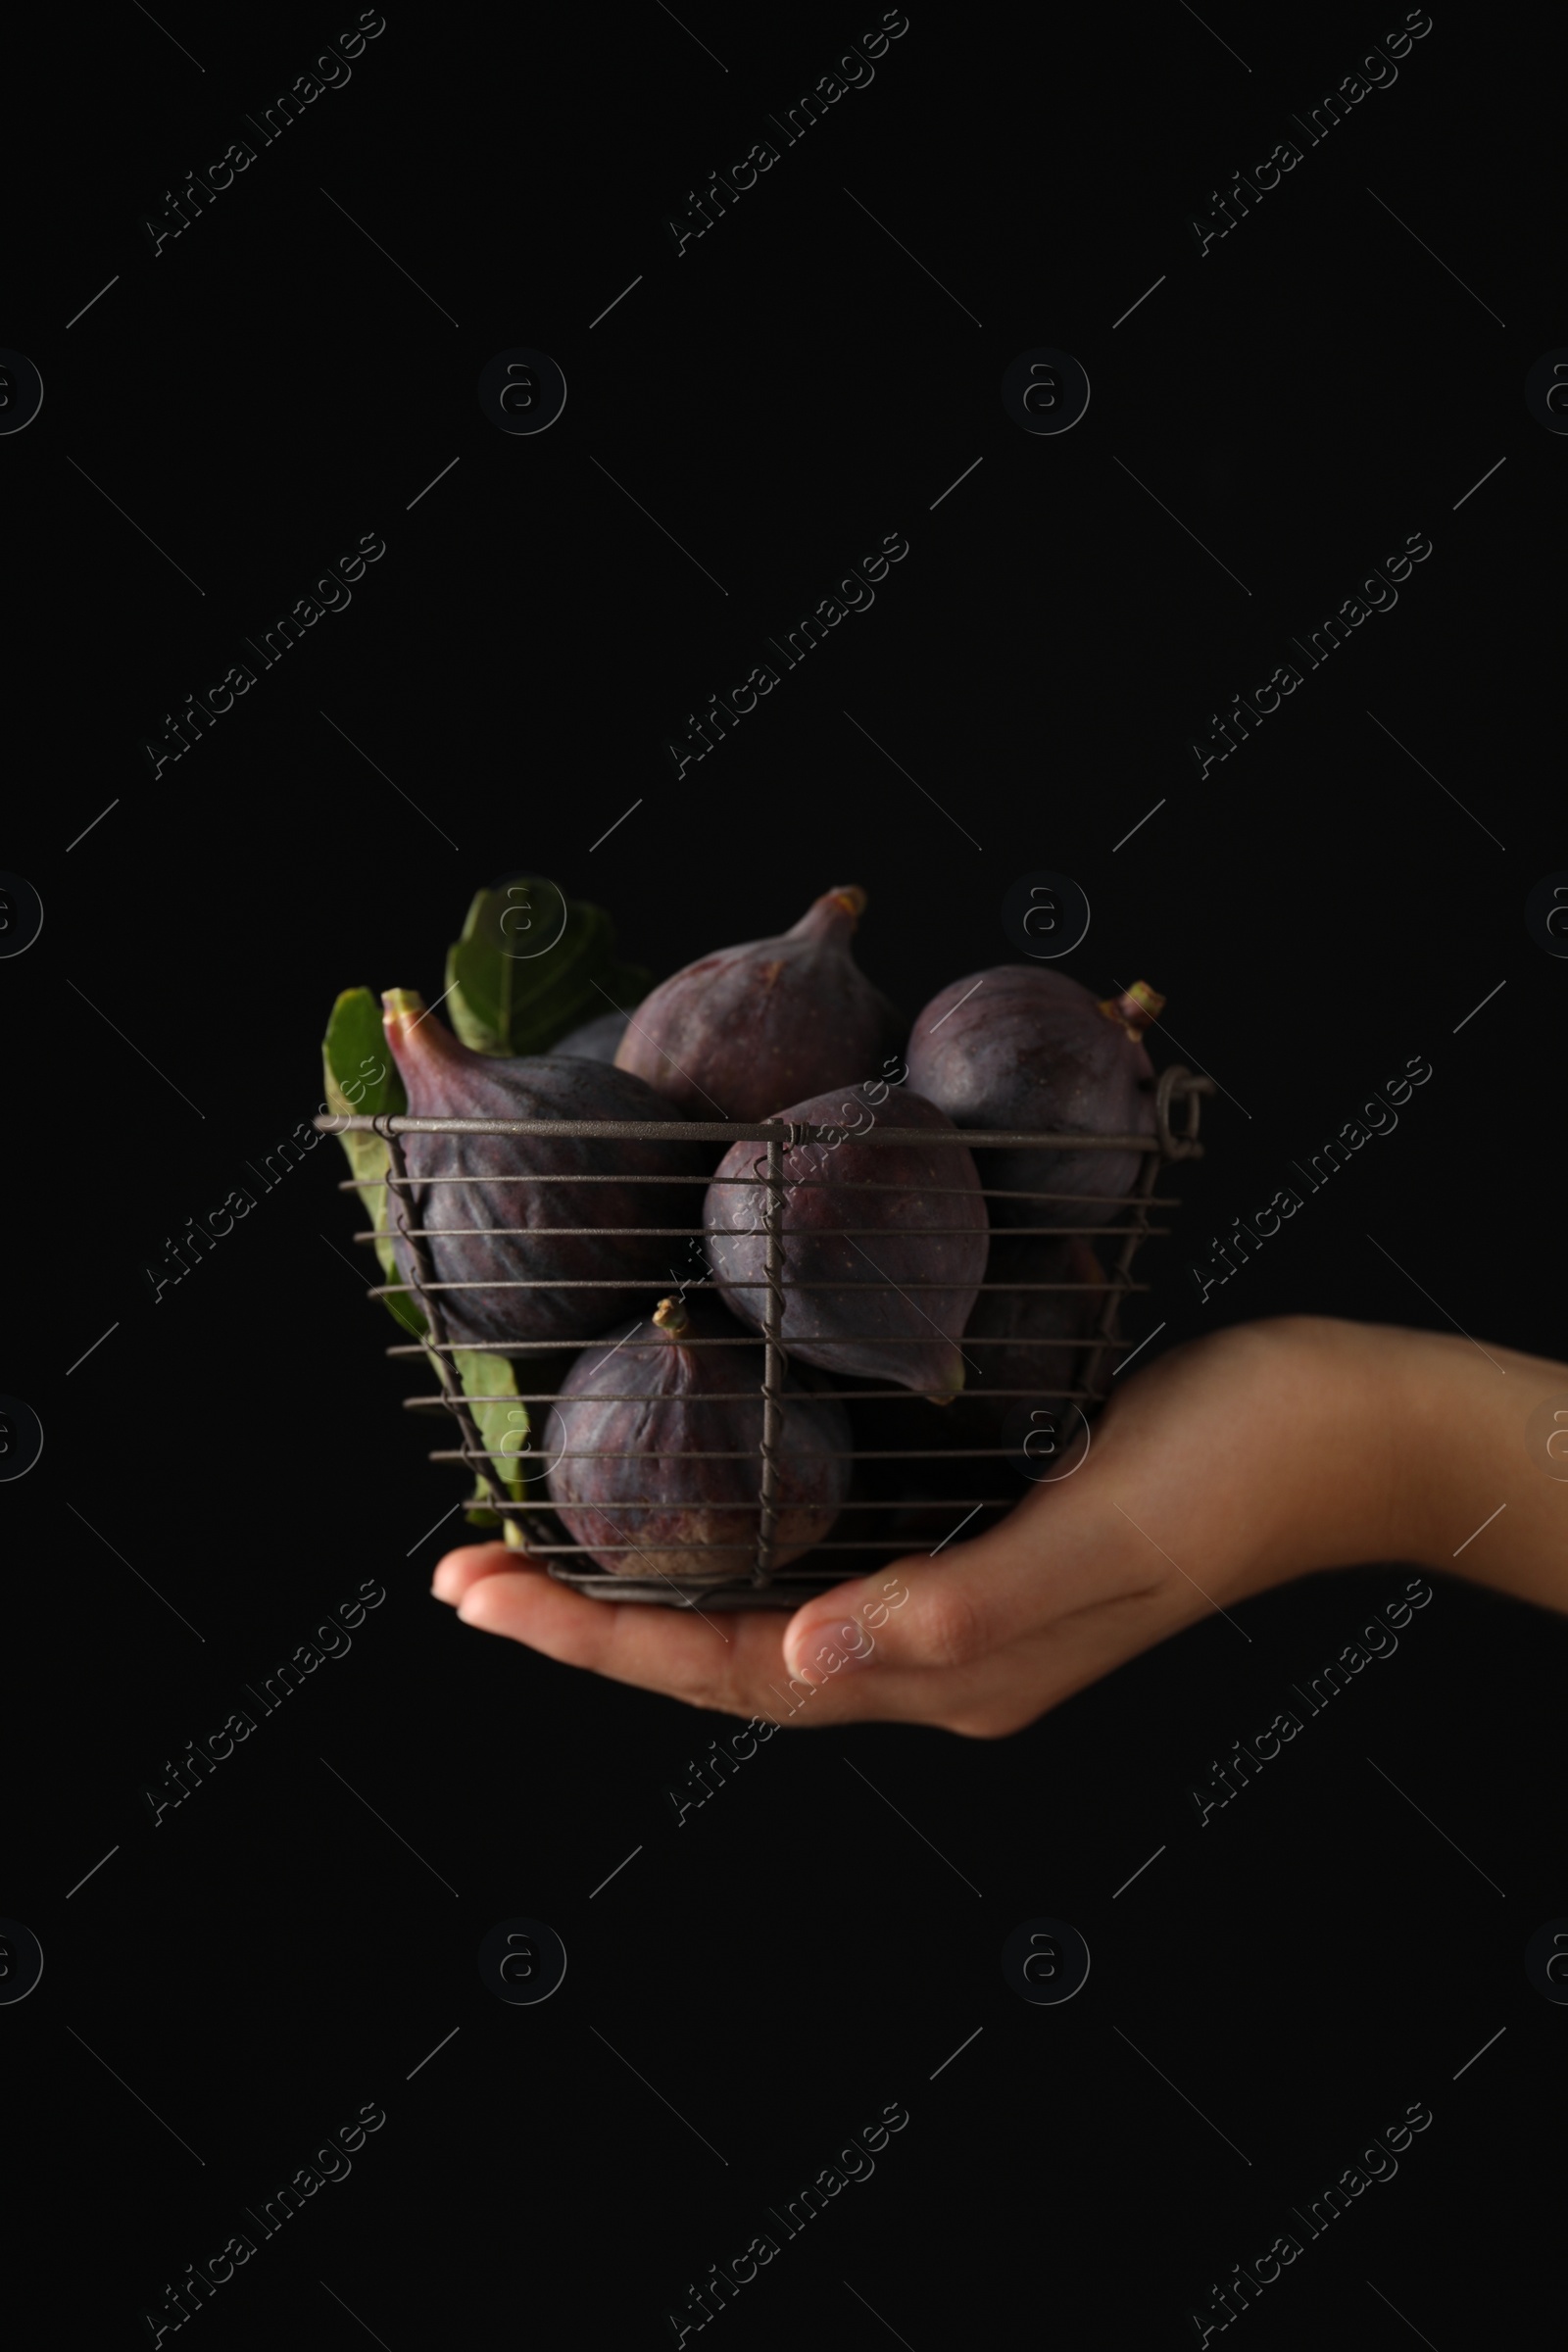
[748, 1576]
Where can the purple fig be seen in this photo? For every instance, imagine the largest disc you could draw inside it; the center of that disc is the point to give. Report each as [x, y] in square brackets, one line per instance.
[466, 1222]
[1029, 1339]
[884, 1243]
[1032, 1051]
[733, 1035]
[655, 1443]
[596, 1040]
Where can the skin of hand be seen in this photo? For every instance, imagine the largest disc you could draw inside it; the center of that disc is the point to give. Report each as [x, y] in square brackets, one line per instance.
[1236, 1461]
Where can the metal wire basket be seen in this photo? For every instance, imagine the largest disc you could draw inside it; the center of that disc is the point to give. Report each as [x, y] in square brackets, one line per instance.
[889, 1522]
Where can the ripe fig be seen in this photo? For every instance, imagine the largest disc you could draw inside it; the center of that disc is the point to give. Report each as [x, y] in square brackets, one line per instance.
[595, 1041]
[733, 1035]
[467, 1223]
[1029, 1339]
[657, 1444]
[884, 1245]
[1031, 1049]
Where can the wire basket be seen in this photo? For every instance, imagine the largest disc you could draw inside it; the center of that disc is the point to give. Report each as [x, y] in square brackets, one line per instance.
[868, 1524]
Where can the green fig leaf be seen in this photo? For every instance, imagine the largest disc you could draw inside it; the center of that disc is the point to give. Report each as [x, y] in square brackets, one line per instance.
[490, 1385]
[358, 1061]
[507, 995]
[358, 1075]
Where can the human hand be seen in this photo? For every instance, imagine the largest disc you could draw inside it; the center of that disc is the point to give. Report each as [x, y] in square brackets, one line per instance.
[1262, 1452]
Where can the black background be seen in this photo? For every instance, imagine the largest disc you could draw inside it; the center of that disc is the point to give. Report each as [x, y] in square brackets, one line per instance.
[789, 390]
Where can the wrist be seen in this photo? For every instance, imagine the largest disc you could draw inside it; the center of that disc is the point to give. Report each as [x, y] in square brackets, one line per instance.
[1480, 1501]
[1433, 1427]
[1346, 1480]
[1408, 1432]
[1299, 1468]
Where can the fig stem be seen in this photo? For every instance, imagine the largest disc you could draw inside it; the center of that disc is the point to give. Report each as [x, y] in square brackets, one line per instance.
[1134, 1008]
[851, 896]
[398, 1003]
[670, 1315]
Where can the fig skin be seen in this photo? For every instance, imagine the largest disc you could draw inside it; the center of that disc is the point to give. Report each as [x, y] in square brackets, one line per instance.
[1041, 1333]
[698, 1502]
[595, 1041]
[774, 1020]
[846, 1327]
[1033, 1051]
[445, 1080]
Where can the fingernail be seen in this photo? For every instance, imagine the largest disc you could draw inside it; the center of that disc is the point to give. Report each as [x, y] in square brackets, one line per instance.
[834, 1646]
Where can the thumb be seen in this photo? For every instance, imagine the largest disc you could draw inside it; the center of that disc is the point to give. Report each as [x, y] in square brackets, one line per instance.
[916, 1612]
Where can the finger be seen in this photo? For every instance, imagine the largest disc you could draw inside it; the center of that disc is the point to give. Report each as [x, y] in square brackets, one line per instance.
[1048, 1557]
[732, 1665]
[720, 1660]
[466, 1565]
[917, 1612]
